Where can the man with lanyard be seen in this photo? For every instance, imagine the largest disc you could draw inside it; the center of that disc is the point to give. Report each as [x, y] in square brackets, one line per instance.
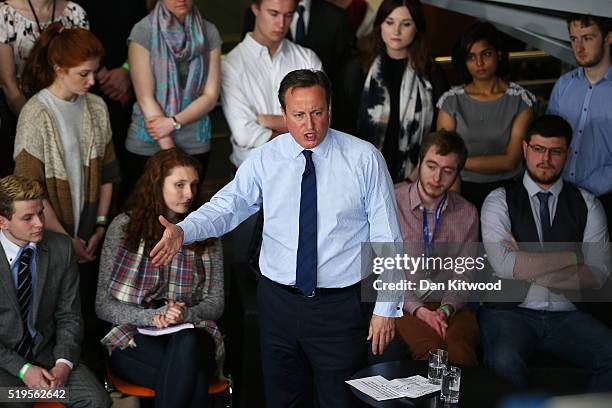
[583, 97]
[542, 208]
[324, 193]
[438, 320]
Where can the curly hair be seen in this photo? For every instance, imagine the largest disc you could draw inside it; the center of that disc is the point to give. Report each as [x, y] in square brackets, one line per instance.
[64, 47]
[146, 202]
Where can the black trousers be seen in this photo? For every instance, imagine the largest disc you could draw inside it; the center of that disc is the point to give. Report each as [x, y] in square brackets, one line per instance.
[177, 366]
[308, 343]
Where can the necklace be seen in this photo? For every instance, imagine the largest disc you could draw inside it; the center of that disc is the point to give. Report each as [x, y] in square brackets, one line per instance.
[40, 30]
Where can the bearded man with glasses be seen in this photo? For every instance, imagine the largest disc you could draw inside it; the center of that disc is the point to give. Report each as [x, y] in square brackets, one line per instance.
[544, 209]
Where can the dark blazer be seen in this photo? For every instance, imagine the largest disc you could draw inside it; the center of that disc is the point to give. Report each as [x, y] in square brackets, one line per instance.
[328, 34]
[56, 307]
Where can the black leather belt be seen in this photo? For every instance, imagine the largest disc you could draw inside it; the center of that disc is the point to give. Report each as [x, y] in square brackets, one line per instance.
[317, 292]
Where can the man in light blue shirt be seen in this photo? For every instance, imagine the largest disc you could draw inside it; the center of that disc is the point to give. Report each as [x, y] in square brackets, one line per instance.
[583, 97]
[309, 302]
[546, 210]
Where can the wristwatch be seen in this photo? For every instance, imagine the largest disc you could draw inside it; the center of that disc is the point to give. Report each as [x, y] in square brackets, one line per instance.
[177, 125]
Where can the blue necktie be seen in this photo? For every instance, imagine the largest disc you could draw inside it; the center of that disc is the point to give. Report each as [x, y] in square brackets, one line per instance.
[306, 271]
[300, 27]
[24, 295]
[543, 196]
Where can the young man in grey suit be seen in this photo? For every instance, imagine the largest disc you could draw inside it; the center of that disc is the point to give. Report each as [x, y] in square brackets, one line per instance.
[40, 311]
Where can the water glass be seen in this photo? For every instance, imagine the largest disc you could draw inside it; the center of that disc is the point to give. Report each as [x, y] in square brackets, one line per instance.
[451, 380]
[437, 363]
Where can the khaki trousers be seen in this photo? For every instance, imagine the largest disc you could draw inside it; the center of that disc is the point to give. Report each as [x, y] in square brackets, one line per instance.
[462, 336]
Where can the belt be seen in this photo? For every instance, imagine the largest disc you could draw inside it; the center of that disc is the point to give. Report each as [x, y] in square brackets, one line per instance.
[317, 292]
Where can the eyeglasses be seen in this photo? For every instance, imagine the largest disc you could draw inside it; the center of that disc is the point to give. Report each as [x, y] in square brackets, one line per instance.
[554, 151]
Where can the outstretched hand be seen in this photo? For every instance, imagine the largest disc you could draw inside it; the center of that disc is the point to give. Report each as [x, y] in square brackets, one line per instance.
[169, 245]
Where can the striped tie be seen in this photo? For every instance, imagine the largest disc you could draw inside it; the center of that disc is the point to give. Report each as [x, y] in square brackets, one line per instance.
[306, 271]
[24, 296]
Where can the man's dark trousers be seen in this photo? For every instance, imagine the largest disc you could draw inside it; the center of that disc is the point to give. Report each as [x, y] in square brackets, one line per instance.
[319, 340]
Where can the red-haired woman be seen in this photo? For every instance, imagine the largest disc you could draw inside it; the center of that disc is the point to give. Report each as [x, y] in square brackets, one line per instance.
[21, 23]
[132, 292]
[400, 90]
[63, 136]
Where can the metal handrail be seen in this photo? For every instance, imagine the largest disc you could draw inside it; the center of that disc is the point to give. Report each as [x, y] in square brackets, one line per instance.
[514, 56]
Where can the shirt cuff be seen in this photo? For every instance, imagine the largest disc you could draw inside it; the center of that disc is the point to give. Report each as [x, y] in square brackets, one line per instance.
[411, 307]
[185, 227]
[63, 360]
[388, 309]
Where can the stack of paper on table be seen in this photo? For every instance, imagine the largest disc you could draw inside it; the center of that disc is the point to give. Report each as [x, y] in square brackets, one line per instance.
[382, 389]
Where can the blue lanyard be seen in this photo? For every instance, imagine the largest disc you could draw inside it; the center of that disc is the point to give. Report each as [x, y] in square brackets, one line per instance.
[429, 244]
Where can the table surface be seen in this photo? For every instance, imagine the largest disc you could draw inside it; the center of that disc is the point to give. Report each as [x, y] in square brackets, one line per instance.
[479, 387]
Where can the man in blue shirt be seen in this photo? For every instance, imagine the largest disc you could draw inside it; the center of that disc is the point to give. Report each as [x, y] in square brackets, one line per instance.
[323, 193]
[583, 97]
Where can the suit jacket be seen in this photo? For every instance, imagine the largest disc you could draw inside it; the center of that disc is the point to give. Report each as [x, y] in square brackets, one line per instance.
[56, 307]
[327, 34]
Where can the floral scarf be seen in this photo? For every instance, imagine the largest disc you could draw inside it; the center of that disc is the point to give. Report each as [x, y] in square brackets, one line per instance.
[173, 43]
[416, 113]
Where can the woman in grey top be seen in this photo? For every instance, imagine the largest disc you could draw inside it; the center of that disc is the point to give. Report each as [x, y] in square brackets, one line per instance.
[490, 113]
[133, 293]
[174, 57]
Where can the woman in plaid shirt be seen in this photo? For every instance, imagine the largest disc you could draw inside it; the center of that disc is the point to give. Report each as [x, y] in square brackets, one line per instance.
[133, 293]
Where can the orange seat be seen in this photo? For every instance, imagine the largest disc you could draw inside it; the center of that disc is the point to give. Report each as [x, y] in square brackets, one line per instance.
[218, 386]
[127, 388]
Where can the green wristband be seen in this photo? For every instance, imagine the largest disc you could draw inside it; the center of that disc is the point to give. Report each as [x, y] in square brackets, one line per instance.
[445, 309]
[23, 370]
[574, 258]
[126, 66]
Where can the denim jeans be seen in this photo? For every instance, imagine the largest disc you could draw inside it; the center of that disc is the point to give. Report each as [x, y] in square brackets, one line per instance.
[511, 335]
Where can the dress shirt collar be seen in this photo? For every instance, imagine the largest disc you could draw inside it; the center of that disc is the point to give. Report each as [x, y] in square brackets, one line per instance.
[261, 50]
[12, 250]
[415, 199]
[533, 189]
[607, 76]
[306, 4]
[295, 149]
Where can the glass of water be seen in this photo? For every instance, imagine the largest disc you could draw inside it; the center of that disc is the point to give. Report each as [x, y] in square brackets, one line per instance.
[451, 380]
[437, 363]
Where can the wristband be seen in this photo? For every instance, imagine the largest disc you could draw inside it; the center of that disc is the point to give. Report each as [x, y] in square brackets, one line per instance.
[102, 220]
[445, 310]
[23, 370]
[126, 66]
[574, 258]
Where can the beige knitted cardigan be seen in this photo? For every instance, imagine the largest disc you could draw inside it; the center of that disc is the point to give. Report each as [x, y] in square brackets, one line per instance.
[39, 155]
